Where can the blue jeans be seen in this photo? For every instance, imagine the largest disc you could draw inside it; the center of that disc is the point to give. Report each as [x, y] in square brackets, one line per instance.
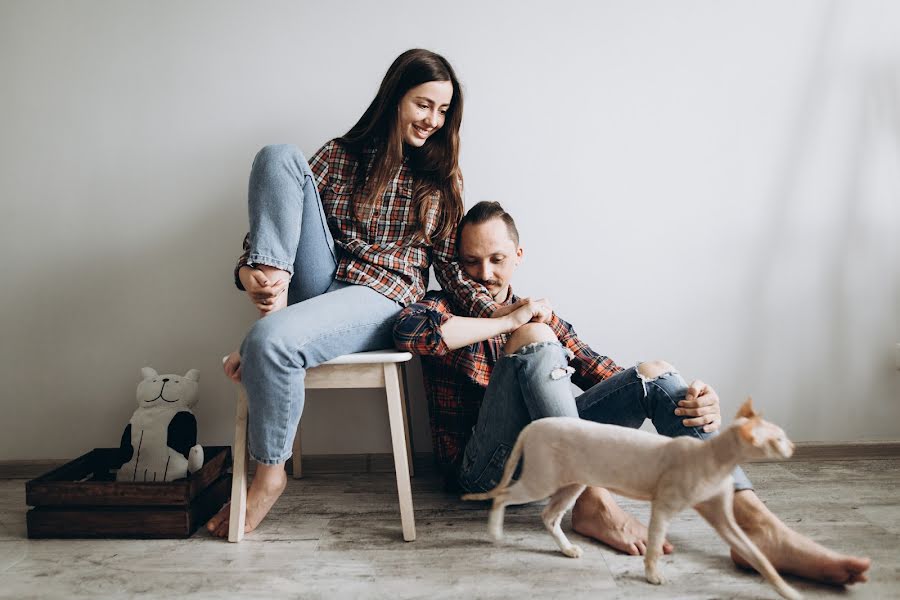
[324, 318]
[533, 383]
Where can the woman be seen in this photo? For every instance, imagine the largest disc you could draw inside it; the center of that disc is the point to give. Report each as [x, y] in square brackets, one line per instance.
[339, 245]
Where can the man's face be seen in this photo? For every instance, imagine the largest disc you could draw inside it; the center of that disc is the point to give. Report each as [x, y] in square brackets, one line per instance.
[488, 255]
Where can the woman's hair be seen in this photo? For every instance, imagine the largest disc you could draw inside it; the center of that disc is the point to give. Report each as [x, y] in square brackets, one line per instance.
[435, 165]
[486, 211]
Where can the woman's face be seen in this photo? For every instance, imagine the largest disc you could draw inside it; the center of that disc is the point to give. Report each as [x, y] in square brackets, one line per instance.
[422, 110]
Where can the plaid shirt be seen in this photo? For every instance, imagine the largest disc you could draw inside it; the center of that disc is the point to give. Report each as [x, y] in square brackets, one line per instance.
[383, 252]
[455, 380]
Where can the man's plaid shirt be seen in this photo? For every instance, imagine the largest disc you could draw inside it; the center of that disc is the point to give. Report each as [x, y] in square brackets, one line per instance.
[383, 252]
[455, 380]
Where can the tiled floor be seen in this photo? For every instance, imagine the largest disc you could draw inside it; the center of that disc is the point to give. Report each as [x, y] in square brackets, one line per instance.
[338, 536]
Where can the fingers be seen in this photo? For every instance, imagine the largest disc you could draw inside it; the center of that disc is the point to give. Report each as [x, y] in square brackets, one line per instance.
[709, 423]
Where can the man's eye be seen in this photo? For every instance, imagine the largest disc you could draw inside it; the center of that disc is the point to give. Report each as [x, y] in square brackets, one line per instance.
[498, 261]
[423, 106]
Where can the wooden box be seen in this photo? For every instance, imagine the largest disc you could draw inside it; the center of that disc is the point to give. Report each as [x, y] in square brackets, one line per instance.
[82, 499]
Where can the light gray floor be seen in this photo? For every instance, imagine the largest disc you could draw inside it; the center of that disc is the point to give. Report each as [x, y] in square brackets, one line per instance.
[338, 536]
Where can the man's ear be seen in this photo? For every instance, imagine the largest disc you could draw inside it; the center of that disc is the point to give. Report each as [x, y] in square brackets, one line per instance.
[520, 255]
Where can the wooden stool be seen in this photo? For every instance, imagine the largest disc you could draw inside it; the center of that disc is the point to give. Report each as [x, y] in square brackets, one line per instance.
[376, 369]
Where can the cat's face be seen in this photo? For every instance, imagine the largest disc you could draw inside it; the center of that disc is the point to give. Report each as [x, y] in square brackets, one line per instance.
[766, 439]
[168, 390]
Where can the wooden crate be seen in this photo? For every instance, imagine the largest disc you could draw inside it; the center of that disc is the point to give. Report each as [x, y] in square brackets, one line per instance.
[82, 499]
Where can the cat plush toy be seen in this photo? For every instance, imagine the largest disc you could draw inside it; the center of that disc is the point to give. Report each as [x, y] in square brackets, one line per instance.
[160, 441]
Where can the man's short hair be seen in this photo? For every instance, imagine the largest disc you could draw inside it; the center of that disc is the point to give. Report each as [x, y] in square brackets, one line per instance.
[483, 212]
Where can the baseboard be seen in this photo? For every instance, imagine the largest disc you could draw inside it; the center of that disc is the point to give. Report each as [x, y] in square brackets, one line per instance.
[423, 463]
[313, 464]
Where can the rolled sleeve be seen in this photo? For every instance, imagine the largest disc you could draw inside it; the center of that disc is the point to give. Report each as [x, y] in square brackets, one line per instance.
[418, 329]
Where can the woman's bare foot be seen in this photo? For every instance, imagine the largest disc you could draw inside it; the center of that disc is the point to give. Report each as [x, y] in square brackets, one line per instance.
[265, 489]
[789, 551]
[596, 515]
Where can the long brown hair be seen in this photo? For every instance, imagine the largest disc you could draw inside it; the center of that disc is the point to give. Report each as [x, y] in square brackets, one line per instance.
[435, 165]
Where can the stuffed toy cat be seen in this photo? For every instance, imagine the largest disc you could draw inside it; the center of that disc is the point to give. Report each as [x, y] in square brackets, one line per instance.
[160, 441]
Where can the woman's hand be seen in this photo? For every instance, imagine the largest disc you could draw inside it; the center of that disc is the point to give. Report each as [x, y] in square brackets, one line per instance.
[526, 310]
[232, 366]
[266, 287]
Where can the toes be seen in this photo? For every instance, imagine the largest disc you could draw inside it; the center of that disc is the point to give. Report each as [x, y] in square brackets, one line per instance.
[633, 550]
[642, 547]
[668, 548]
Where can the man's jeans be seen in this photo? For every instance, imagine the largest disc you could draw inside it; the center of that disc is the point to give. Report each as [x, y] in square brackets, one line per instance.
[325, 318]
[535, 382]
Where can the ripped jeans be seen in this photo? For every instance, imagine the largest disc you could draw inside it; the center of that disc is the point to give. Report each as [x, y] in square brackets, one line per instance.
[534, 383]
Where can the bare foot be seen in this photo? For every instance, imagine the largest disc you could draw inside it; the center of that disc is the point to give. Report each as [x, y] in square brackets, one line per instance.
[791, 552]
[265, 489]
[596, 515]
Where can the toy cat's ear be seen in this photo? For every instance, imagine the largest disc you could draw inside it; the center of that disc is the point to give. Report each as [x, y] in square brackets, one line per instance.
[148, 372]
[193, 375]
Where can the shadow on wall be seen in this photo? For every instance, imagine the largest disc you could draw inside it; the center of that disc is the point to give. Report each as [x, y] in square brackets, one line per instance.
[808, 289]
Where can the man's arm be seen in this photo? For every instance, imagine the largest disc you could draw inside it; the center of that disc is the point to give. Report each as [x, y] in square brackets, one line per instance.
[428, 327]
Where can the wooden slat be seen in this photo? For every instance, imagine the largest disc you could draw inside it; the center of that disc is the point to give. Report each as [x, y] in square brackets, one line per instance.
[130, 522]
[52, 490]
[345, 376]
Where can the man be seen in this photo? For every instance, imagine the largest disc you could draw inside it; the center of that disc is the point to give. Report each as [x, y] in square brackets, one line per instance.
[486, 378]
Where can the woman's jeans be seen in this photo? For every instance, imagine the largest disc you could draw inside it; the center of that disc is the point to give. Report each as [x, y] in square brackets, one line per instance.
[534, 383]
[324, 318]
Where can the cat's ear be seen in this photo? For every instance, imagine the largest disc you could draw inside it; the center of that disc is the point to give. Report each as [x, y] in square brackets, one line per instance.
[147, 373]
[746, 409]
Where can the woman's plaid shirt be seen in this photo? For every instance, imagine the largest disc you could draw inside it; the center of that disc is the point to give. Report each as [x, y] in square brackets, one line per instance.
[455, 380]
[383, 252]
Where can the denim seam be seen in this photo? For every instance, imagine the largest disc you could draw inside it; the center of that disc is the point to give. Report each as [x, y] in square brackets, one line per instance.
[256, 258]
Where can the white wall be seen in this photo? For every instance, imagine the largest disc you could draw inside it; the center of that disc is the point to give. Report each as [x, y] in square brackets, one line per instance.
[712, 183]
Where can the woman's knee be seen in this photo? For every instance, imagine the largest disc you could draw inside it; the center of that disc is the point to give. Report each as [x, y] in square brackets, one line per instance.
[529, 333]
[263, 343]
[275, 155]
[654, 368]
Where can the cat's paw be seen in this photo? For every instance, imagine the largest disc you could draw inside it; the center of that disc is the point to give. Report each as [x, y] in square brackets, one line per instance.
[655, 577]
[573, 551]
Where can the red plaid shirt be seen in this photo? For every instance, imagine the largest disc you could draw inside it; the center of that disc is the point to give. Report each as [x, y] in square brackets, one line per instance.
[455, 380]
[383, 252]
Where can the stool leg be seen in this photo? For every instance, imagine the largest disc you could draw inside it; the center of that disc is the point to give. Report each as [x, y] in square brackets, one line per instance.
[236, 519]
[404, 404]
[398, 442]
[296, 459]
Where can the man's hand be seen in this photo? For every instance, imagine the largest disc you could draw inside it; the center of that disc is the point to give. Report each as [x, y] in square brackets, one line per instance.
[232, 366]
[267, 288]
[701, 404]
[524, 311]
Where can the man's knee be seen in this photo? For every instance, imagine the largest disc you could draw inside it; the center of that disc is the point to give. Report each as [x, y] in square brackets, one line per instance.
[529, 333]
[654, 368]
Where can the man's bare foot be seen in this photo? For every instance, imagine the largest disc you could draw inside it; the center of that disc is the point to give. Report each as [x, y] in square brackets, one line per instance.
[789, 551]
[596, 515]
[267, 485]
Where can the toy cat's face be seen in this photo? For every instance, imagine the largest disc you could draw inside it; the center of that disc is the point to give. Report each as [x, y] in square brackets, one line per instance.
[168, 390]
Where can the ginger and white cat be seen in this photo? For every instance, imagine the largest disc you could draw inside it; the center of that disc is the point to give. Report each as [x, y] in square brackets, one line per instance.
[563, 455]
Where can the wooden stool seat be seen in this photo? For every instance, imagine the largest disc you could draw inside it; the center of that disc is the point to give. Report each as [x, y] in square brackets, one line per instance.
[374, 369]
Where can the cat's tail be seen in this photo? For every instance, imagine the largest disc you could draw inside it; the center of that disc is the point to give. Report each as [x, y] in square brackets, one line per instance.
[511, 463]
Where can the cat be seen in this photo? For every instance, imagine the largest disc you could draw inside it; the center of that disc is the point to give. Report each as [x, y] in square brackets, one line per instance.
[563, 455]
